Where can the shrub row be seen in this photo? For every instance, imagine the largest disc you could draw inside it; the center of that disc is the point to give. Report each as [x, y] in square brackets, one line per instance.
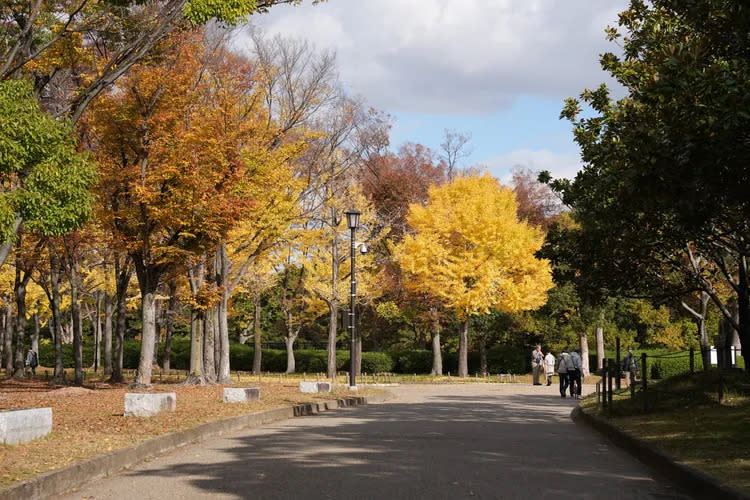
[500, 359]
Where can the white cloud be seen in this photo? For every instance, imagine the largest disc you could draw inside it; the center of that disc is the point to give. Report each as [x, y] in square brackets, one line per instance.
[456, 56]
[558, 164]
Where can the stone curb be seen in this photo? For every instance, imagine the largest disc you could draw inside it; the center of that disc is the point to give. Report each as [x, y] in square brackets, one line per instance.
[62, 480]
[697, 483]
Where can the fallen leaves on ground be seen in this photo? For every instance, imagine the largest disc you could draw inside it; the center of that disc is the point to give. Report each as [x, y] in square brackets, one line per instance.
[88, 421]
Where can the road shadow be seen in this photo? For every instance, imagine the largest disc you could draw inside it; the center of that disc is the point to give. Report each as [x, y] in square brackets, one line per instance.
[449, 446]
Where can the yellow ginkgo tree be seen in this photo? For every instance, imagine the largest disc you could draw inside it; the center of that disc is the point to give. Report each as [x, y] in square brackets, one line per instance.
[469, 251]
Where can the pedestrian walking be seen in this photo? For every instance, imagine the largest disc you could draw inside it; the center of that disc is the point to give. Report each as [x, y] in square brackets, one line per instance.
[562, 372]
[549, 367]
[574, 373]
[32, 361]
[537, 360]
[630, 367]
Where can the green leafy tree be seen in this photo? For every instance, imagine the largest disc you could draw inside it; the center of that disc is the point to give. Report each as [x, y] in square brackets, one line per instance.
[661, 202]
[45, 180]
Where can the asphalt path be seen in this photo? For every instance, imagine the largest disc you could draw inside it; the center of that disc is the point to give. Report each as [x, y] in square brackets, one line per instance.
[503, 441]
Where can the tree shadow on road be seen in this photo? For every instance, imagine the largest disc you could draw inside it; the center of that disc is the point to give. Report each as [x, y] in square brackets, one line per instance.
[509, 446]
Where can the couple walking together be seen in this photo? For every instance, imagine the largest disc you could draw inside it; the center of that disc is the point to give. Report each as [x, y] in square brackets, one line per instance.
[568, 369]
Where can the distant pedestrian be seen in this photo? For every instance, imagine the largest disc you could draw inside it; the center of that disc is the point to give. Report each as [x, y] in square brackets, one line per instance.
[630, 367]
[549, 367]
[562, 372]
[537, 360]
[32, 361]
[574, 373]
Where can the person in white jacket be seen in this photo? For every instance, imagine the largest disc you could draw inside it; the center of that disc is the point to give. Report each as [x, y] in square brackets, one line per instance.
[549, 367]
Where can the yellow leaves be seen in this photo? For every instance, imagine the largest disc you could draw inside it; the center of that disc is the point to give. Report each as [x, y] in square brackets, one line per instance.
[470, 251]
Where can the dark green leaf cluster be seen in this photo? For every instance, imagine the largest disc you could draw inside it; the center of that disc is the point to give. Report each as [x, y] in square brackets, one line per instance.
[45, 180]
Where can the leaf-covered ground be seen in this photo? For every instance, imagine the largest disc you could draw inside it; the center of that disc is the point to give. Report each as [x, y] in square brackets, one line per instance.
[89, 420]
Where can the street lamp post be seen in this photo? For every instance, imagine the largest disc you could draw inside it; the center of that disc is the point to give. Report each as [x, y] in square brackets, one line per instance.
[352, 219]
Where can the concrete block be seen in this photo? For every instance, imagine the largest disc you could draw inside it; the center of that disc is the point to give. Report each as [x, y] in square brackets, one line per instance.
[148, 405]
[312, 387]
[241, 395]
[21, 426]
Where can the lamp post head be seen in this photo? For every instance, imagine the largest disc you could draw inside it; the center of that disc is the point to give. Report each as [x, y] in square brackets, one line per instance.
[352, 218]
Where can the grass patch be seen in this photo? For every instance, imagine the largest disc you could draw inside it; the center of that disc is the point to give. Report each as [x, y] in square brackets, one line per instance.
[686, 420]
[88, 420]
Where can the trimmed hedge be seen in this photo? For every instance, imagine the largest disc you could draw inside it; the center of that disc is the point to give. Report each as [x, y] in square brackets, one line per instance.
[500, 358]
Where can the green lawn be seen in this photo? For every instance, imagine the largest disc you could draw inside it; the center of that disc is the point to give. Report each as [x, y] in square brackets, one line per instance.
[686, 420]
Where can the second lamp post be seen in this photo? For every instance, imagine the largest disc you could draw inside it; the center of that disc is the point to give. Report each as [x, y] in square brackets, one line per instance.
[352, 219]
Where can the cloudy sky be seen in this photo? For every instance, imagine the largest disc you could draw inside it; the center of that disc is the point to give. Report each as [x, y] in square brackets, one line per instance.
[498, 69]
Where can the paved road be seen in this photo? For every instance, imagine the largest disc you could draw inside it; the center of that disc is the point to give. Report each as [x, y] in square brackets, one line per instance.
[436, 442]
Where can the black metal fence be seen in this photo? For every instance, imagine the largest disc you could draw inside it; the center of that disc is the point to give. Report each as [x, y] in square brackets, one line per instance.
[657, 366]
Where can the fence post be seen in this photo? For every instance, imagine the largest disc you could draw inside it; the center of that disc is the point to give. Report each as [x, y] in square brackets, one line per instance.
[598, 394]
[604, 383]
[610, 373]
[692, 360]
[644, 380]
[617, 366]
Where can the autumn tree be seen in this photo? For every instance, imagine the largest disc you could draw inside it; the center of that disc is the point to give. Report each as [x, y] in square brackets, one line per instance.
[395, 181]
[469, 250]
[537, 203]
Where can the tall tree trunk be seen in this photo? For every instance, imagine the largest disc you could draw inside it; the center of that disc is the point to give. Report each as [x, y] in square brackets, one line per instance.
[75, 308]
[217, 344]
[35, 334]
[19, 289]
[97, 323]
[257, 355]
[196, 348]
[123, 273]
[108, 311]
[483, 355]
[463, 349]
[148, 332]
[705, 342]
[8, 305]
[333, 318]
[171, 313]
[600, 342]
[289, 341]
[157, 332]
[743, 306]
[196, 276]
[51, 329]
[58, 376]
[437, 356]
[584, 356]
[209, 352]
[222, 281]
[2, 335]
